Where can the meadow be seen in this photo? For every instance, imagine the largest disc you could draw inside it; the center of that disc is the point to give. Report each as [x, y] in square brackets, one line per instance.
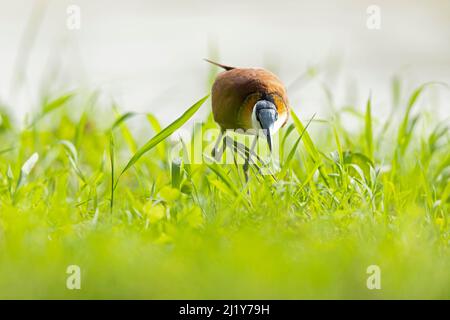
[79, 188]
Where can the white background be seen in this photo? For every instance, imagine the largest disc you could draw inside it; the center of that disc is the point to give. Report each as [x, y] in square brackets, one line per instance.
[147, 55]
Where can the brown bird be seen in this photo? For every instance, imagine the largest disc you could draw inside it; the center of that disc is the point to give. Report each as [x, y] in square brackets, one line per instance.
[249, 98]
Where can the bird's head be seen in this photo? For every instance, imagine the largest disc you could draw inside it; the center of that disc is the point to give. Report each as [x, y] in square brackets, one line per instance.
[264, 116]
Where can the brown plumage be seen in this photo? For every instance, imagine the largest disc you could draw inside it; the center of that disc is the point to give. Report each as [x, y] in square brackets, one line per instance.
[236, 91]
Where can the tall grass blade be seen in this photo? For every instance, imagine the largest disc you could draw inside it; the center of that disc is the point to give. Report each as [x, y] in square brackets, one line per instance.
[122, 118]
[291, 153]
[407, 125]
[7, 150]
[309, 145]
[231, 187]
[368, 128]
[163, 134]
[51, 106]
[156, 127]
[72, 155]
[112, 163]
[26, 169]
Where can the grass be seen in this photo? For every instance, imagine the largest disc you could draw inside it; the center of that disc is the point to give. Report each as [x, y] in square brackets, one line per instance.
[77, 190]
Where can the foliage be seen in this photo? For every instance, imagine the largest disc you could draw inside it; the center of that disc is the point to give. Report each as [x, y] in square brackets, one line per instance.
[170, 229]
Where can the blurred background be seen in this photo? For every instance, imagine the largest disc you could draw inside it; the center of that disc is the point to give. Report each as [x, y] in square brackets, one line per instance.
[147, 55]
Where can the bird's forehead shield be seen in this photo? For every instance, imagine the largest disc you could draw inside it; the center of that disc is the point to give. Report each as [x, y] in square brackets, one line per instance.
[266, 113]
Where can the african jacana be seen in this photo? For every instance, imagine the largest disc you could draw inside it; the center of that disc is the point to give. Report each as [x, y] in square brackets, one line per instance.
[249, 98]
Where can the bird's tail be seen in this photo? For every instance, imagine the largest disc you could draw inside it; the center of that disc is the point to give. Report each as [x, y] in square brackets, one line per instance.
[220, 65]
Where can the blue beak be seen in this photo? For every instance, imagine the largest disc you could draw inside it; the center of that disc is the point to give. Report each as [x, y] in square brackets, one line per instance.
[266, 113]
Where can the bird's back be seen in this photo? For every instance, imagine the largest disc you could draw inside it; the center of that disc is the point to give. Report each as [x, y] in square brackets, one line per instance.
[235, 92]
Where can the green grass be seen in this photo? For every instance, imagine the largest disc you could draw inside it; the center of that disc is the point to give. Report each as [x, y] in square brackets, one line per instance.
[169, 229]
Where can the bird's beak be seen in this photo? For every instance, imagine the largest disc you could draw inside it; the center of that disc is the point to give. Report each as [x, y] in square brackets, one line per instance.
[267, 116]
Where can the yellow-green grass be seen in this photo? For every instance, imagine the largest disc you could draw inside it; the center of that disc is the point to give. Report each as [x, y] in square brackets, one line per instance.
[140, 224]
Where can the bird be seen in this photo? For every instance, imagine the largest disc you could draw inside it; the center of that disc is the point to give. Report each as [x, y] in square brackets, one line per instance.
[249, 99]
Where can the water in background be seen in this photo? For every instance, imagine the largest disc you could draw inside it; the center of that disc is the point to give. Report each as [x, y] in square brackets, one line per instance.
[147, 55]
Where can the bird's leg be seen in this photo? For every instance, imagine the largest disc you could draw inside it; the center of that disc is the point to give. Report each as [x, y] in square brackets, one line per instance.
[247, 158]
[215, 153]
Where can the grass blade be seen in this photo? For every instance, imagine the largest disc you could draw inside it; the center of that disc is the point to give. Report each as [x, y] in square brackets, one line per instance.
[111, 160]
[309, 145]
[7, 150]
[406, 127]
[51, 106]
[72, 155]
[122, 118]
[163, 134]
[294, 148]
[156, 127]
[26, 169]
[307, 141]
[368, 128]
